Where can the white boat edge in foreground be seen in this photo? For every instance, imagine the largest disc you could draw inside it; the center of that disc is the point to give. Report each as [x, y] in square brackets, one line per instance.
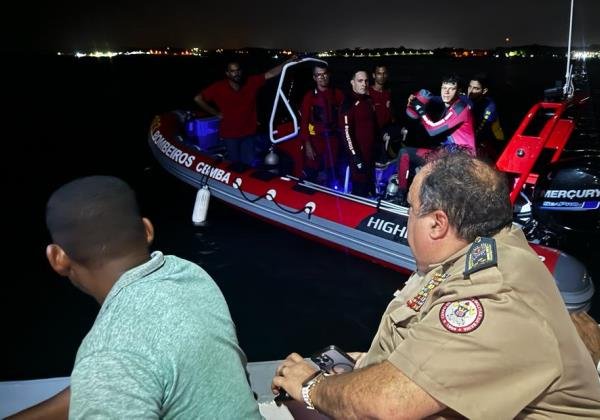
[18, 395]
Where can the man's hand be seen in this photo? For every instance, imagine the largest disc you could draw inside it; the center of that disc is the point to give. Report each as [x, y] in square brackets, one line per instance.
[589, 331]
[291, 374]
[418, 106]
[358, 163]
[309, 151]
[358, 357]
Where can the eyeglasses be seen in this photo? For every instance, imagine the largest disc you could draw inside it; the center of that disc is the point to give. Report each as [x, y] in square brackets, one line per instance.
[321, 75]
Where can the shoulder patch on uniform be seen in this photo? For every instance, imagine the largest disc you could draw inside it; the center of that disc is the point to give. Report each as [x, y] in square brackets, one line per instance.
[482, 254]
[462, 316]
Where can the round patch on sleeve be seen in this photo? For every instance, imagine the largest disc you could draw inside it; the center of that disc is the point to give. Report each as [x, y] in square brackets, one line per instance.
[461, 316]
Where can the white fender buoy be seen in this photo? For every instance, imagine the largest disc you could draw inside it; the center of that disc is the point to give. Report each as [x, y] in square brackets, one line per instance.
[201, 205]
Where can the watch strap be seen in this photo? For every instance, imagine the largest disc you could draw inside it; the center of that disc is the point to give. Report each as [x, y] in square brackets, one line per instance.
[308, 386]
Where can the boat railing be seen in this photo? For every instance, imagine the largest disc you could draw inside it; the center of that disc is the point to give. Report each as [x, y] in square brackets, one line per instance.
[280, 96]
[543, 129]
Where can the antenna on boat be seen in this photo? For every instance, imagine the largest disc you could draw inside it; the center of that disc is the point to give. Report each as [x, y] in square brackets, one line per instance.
[568, 87]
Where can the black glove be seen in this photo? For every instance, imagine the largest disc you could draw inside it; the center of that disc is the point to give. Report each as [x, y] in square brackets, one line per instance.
[418, 106]
[358, 163]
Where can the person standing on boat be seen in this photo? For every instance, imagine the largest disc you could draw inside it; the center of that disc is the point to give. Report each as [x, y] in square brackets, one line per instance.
[479, 331]
[359, 127]
[455, 126]
[163, 344]
[488, 131]
[381, 97]
[319, 114]
[235, 99]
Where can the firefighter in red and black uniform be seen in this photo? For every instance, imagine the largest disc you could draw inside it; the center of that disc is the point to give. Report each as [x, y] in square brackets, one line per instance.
[359, 128]
[382, 104]
[318, 128]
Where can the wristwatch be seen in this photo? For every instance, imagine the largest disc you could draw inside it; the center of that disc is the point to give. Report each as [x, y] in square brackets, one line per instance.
[308, 385]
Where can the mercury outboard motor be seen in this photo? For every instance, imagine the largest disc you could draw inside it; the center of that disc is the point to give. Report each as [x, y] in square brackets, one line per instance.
[574, 283]
[566, 199]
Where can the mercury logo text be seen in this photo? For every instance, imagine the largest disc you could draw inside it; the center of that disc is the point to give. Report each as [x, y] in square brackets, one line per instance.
[591, 193]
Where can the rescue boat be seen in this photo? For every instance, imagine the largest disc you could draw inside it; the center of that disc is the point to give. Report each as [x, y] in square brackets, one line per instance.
[188, 147]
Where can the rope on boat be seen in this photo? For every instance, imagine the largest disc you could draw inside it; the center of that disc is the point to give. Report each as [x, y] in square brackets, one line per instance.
[308, 208]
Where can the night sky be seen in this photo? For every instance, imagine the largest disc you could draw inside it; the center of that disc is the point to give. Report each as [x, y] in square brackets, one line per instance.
[302, 25]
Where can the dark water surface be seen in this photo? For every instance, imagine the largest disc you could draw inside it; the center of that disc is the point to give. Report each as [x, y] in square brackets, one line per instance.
[73, 118]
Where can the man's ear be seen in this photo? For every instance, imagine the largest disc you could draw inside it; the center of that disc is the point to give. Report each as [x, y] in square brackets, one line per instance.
[58, 259]
[439, 224]
[484, 91]
[149, 228]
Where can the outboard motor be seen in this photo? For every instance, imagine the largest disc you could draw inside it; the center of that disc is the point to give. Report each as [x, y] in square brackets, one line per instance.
[566, 198]
[574, 283]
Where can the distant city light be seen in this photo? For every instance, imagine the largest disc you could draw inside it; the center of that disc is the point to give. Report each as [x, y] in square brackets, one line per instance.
[583, 55]
[105, 54]
[521, 52]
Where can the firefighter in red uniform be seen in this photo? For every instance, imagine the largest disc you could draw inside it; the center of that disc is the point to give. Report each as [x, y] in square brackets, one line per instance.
[319, 128]
[359, 127]
[382, 104]
[235, 101]
[381, 97]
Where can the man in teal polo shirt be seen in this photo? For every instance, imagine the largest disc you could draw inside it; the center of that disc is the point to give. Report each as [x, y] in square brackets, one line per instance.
[163, 344]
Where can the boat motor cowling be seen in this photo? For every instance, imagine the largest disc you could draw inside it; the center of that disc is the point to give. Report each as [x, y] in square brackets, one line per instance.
[566, 198]
[574, 283]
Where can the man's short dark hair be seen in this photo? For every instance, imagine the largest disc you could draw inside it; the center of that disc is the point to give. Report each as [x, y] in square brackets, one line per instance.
[230, 62]
[378, 65]
[319, 66]
[95, 218]
[472, 193]
[354, 73]
[451, 78]
[482, 79]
